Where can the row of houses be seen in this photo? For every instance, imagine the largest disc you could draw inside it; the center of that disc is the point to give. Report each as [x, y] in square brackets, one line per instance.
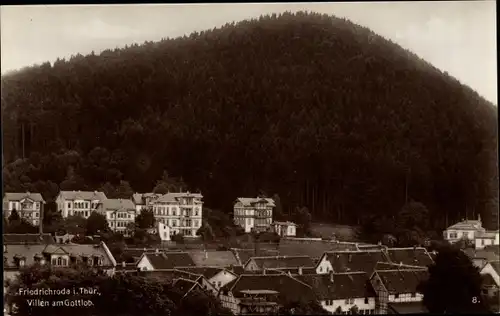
[372, 281]
[472, 231]
[175, 213]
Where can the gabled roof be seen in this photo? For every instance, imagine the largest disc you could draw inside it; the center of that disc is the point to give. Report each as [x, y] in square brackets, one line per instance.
[396, 266]
[486, 235]
[417, 256]
[351, 261]
[83, 195]
[402, 281]
[169, 274]
[344, 285]
[77, 250]
[496, 266]
[129, 267]
[209, 258]
[286, 286]
[242, 255]
[247, 202]
[488, 280]
[296, 271]
[173, 197]
[283, 262]
[169, 260]
[490, 254]
[36, 197]
[467, 225]
[18, 239]
[140, 198]
[118, 204]
[207, 272]
[314, 249]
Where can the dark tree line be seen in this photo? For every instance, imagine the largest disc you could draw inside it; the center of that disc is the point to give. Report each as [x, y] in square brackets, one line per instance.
[321, 111]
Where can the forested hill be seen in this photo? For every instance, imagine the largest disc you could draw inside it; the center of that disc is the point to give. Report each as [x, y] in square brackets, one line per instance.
[319, 110]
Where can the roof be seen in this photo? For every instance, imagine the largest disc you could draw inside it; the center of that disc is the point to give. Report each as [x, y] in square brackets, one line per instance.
[487, 235]
[350, 261]
[173, 197]
[13, 239]
[283, 262]
[490, 254]
[251, 201]
[83, 195]
[118, 204]
[242, 255]
[344, 285]
[140, 198]
[313, 249]
[29, 252]
[488, 280]
[185, 285]
[467, 225]
[37, 197]
[496, 266]
[129, 267]
[222, 259]
[207, 272]
[287, 287]
[402, 281]
[136, 252]
[410, 256]
[408, 308]
[296, 270]
[169, 260]
[169, 274]
[362, 247]
[395, 266]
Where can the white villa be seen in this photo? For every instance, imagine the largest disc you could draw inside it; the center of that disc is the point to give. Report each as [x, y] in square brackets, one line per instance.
[471, 230]
[182, 212]
[285, 229]
[80, 202]
[120, 213]
[144, 200]
[28, 205]
[254, 213]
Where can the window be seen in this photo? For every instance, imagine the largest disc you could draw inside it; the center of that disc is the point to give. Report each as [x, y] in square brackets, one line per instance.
[396, 296]
[219, 284]
[413, 294]
[366, 300]
[96, 261]
[347, 301]
[69, 204]
[59, 261]
[482, 242]
[37, 205]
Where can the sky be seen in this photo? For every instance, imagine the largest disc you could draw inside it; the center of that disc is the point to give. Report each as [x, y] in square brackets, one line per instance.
[457, 37]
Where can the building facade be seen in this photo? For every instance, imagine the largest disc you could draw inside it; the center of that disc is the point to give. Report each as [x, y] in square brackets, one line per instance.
[488, 238]
[182, 212]
[254, 213]
[466, 229]
[81, 203]
[28, 205]
[143, 201]
[285, 229]
[120, 214]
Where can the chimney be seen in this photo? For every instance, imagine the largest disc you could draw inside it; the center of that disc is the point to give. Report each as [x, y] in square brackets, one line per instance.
[124, 264]
[300, 270]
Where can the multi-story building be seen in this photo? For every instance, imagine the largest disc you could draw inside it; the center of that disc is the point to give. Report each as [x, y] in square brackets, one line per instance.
[254, 213]
[28, 205]
[182, 212]
[120, 213]
[466, 229]
[81, 203]
[144, 200]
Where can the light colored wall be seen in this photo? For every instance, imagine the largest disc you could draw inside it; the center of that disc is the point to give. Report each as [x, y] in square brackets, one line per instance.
[224, 277]
[346, 306]
[405, 297]
[324, 267]
[488, 269]
[144, 264]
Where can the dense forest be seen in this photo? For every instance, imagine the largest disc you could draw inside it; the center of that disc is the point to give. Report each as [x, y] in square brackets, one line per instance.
[321, 111]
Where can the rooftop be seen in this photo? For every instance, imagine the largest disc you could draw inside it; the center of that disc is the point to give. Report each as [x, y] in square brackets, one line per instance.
[410, 256]
[210, 258]
[207, 272]
[468, 225]
[250, 201]
[173, 197]
[169, 260]
[402, 281]
[83, 195]
[118, 204]
[344, 285]
[275, 262]
[351, 261]
[37, 197]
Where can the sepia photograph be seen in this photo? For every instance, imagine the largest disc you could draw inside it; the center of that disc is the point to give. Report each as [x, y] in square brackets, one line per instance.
[326, 158]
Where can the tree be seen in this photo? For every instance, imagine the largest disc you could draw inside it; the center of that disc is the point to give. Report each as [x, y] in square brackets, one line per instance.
[21, 226]
[206, 232]
[14, 216]
[122, 191]
[73, 181]
[302, 307]
[168, 184]
[354, 310]
[145, 220]
[96, 223]
[178, 238]
[74, 225]
[302, 218]
[454, 285]
[278, 210]
[52, 218]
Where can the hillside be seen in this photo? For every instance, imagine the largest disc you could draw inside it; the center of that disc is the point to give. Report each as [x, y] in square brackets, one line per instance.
[319, 110]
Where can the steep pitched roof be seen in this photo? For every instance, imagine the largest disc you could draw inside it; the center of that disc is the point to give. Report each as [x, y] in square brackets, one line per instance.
[410, 256]
[396, 266]
[402, 281]
[313, 249]
[169, 274]
[9, 196]
[186, 286]
[17, 239]
[209, 258]
[173, 197]
[169, 260]
[283, 262]
[490, 254]
[207, 272]
[242, 255]
[496, 266]
[118, 204]
[83, 195]
[488, 280]
[247, 202]
[344, 285]
[286, 286]
[351, 261]
[140, 198]
[296, 271]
